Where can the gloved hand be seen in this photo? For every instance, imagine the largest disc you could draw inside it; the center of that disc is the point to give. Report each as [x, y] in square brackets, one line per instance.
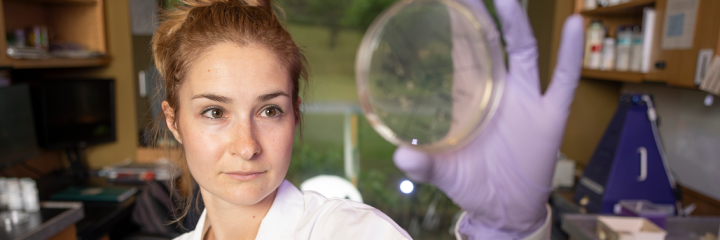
[502, 178]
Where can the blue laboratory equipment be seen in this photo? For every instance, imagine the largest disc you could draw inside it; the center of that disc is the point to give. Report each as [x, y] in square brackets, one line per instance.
[629, 161]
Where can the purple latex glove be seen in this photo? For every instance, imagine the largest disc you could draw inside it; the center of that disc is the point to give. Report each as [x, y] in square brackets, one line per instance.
[502, 178]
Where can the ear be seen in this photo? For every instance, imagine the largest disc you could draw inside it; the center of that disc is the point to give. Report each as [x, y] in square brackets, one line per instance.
[170, 120]
[297, 114]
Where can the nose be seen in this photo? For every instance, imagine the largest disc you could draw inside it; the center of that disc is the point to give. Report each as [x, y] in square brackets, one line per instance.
[244, 142]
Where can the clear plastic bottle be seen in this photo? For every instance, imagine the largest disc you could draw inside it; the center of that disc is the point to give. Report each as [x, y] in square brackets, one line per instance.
[608, 55]
[31, 202]
[622, 53]
[636, 52]
[593, 45]
[603, 3]
[3, 194]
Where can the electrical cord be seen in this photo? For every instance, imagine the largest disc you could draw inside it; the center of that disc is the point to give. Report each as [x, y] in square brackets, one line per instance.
[677, 192]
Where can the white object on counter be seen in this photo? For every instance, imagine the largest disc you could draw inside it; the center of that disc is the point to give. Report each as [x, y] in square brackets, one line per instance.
[14, 194]
[624, 44]
[627, 228]
[30, 199]
[564, 173]
[3, 194]
[608, 55]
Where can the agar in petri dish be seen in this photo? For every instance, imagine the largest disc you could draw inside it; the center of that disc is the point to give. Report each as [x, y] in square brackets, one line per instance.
[430, 74]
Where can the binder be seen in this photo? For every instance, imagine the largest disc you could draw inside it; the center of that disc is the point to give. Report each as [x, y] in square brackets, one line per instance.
[95, 194]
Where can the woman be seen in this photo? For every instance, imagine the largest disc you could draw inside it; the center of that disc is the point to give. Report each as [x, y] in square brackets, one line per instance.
[232, 75]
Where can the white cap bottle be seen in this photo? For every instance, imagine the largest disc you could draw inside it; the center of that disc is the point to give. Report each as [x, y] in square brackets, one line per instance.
[622, 48]
[590, 4]
[593, 45]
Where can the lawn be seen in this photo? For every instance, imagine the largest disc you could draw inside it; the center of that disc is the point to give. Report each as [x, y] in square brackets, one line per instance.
[320, 150]
[332, 79]
[332, 71]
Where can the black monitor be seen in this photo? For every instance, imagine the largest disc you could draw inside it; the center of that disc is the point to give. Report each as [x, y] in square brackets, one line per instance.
[17, 131]
[74, 113]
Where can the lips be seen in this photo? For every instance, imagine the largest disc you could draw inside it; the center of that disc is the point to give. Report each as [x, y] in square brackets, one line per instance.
[244, 176]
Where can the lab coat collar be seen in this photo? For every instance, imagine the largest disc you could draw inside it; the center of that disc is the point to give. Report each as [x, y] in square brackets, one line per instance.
[281, 220]
[284, 215]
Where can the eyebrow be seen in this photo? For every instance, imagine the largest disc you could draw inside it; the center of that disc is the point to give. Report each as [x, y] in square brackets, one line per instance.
[214, 97]
[223, 99]
[269, 96]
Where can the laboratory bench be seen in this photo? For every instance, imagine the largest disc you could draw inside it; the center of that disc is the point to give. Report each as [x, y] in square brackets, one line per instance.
[570, 221]
[59, 220]
[106, 220]
[583, 226]
[55, 220]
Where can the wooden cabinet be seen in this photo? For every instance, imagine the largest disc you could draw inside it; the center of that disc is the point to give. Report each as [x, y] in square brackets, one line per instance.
[77, 21]
[680, 64]
[674, 67]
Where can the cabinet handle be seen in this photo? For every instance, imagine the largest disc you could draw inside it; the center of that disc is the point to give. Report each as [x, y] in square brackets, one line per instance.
[643, 164]
[660, 65]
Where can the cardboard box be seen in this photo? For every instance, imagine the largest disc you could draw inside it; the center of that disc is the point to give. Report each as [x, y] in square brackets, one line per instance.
[628, 228]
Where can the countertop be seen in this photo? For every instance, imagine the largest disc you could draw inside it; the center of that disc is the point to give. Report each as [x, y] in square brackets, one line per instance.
[52, 218]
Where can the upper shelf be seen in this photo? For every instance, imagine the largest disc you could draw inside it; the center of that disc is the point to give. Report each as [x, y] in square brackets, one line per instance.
[632, 7]
[60, 2]
[59, 63]
[632, 77]
[628, 77]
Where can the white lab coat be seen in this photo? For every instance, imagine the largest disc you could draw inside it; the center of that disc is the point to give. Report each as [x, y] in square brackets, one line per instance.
[309, 215]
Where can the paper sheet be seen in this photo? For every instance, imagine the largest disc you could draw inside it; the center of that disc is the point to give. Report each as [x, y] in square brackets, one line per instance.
[679, 28]
[711, 82]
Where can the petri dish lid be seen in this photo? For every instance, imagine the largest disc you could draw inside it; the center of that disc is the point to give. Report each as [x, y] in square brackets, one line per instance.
[430, 73]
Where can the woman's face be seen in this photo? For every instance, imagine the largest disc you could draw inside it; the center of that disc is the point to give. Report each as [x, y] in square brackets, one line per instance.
[236, 122]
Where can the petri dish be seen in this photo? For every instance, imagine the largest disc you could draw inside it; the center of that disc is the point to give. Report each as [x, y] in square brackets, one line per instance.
[430, 74]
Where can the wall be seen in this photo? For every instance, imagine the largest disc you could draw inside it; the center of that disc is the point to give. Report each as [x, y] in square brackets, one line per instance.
[542, 15]
[121, 69]
[690, 132]
[591, 111]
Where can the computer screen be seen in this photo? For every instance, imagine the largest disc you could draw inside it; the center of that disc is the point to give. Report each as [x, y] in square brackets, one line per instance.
[71, 113]
[17, 131]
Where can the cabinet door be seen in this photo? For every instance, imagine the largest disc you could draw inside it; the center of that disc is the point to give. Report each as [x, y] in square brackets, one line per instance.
[4, 60]
[680, 65]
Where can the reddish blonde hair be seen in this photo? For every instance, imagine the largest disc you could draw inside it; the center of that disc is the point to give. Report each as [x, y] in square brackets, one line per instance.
[194, 26]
